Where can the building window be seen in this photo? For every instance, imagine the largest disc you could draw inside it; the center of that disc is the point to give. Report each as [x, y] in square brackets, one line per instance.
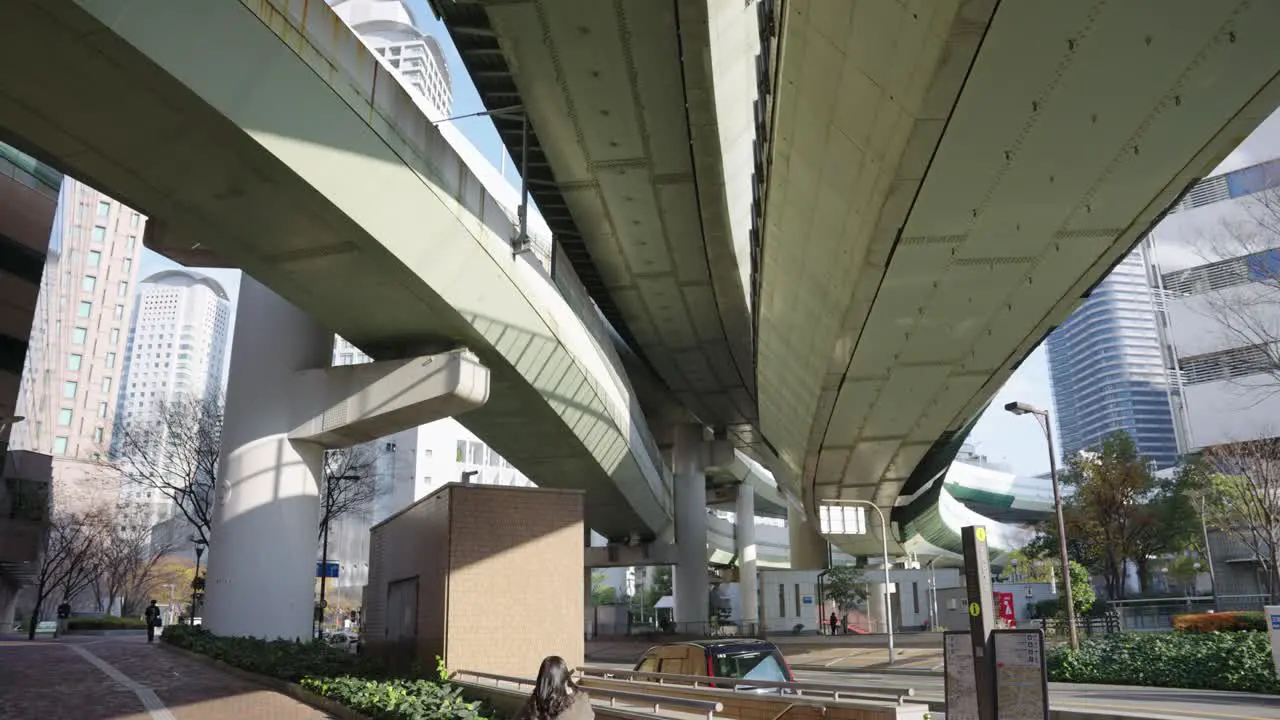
[99, 234]
[64, 417]
[78, 335]
[462, 451]
[94, 259]
[88, 283]
[104, 209]
[74, 360]
[60, 445]
[131, 243]
[102, 409]
[97, 434]
[426, 452]
[133, 220]
[123, 289]
[106, 384]
[111, 360]
[119, 311]
[126, 264]
[69, 389]
[797, 599]
[782, 600]
[115, 335]
[84, 309]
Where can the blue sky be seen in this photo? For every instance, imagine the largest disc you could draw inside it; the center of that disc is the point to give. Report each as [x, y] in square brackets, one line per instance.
[1015, 441]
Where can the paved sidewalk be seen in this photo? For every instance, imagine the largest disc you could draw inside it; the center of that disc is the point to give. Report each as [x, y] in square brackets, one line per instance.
[124, 678]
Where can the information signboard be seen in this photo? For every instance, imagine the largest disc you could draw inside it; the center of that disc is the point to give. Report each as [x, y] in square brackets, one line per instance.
[1022, 678]
[961, 691]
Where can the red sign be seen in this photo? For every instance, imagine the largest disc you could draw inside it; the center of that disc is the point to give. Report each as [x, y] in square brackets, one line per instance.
[1004, 604]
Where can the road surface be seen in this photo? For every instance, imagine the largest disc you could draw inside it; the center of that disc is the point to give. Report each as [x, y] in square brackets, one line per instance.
[1202, 704]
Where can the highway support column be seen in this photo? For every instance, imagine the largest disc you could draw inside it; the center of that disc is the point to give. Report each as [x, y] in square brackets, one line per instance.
[693, 605]
[262, 555]
[745, 535]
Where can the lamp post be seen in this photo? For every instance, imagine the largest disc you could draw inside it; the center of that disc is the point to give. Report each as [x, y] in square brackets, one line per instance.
[196, 584]
[1021, 408]
[884, 544]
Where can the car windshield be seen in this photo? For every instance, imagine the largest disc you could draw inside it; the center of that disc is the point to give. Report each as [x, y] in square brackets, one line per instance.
[759, 665]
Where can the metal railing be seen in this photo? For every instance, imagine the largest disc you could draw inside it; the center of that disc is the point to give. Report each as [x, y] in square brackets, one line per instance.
[656, 701]
[699, 629]
[1155, 614]
[896, 694]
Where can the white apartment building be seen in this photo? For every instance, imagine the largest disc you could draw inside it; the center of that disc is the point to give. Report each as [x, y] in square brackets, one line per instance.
[387, 28]
[1216, 266]
[76, 353]
[177, 345]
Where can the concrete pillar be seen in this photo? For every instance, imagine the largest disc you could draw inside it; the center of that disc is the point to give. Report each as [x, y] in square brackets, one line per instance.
[262, 554]
[745, 535]
[878, 614]
[588, 604]
[808, 547]
[690, 577]
[8, 601]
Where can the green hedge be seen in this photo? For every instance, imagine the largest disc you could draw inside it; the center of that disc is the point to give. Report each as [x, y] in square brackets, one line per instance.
[1194, 661]
[397, 699]
[284, 659]
[106, 622]
[1220, 622]
[352, 680]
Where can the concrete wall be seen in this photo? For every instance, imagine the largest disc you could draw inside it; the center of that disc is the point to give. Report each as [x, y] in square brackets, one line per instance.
[472, 551]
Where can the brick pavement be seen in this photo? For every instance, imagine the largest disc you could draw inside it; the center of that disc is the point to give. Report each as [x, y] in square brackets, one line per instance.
[46, 679]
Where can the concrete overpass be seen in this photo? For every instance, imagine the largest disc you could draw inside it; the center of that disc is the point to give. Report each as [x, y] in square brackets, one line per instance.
[263, 135]
[935, 186]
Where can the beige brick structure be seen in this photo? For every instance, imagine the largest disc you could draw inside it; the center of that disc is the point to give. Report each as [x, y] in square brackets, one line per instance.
[444, 573]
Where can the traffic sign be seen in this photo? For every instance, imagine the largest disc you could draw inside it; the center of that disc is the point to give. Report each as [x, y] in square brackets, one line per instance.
[328, 571]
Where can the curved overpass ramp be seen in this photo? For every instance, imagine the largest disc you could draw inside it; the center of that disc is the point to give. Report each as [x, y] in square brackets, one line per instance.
[264, 135]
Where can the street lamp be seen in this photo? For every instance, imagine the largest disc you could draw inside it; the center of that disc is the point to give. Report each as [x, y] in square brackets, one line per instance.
[1021, 408]
[467, 475]
[884, 544]
[197, 585]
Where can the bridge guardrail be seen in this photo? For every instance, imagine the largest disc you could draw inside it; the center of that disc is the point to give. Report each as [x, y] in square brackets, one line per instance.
[898, 694]
[710, 707]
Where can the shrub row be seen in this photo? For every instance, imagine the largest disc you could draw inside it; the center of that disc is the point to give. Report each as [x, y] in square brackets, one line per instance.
[283, 659]
[397, 699]
[1198, 661]
[1220, 622]
[106, 622]
[352, 680]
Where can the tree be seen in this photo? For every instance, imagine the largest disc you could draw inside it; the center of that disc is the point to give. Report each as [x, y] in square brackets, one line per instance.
[1108, 511]
[349, 483]
[129, 556]
[1243, 499]
[1167, 523]
[845, 586]
[1082, 595]
[602, 594]
[71, 560]
[174, 452]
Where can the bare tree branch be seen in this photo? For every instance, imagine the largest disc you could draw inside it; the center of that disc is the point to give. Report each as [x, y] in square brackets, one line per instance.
[1244, 499]
[129, 553]
[71, 559]
[349, 483]
[174, 452]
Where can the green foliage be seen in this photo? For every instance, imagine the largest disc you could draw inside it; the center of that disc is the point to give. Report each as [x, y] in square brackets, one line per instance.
[1220, 622]
[106, 622]
[397, 699]
[844, 585]
[1195, 661]
[602, 594]
[284, 659]
[1082, 595]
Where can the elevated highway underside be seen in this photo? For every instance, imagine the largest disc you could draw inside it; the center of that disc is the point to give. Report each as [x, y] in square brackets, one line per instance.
[625, 167]
[948, 180]
[263, 135]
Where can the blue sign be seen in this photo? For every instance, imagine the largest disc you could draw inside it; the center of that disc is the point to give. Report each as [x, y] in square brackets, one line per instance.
[806, 599]
[1275, 622]
[329, 571]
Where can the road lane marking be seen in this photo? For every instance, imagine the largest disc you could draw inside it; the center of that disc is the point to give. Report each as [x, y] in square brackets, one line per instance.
[149, 699]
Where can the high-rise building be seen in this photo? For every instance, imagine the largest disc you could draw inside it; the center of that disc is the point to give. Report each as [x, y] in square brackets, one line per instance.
[177, 344]
[76, 353]
[387, 27]
[1216, 267]
[1108, 371]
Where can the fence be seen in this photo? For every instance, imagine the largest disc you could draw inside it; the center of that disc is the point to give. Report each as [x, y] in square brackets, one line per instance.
[1088, 626]
[1157, 614]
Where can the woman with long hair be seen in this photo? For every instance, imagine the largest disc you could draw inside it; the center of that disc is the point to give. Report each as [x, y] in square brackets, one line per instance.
[556, 695]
